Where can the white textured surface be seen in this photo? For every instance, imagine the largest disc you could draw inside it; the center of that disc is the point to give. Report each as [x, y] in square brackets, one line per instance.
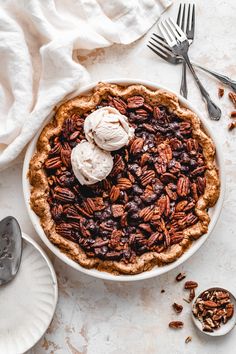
[95, 316]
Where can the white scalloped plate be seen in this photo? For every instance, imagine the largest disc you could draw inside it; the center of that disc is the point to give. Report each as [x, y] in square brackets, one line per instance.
[28, 302]
[214, 212]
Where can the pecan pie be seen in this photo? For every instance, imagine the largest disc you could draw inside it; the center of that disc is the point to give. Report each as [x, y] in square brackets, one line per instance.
[155, 201]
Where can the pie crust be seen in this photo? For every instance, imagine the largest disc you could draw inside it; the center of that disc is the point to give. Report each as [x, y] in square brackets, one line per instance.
[40, 187]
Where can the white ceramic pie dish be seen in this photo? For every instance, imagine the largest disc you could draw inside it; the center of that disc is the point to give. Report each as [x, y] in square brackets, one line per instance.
[214, 212]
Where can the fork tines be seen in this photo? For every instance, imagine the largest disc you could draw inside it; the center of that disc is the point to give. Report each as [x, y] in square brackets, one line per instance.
[189, 25]
[171, 32]
[159, 46]
[162, 46]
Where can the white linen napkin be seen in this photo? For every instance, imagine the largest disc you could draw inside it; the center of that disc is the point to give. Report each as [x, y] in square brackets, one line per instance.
[37, 40]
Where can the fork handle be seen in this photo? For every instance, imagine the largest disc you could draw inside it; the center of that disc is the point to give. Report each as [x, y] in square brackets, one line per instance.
[183, 86]
[224, 79]
[213, 110]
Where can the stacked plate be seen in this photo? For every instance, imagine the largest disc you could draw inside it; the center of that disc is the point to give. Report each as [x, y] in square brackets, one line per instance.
[28, 302]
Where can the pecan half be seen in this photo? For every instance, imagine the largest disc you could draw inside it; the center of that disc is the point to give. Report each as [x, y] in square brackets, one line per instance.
[232, 97]
[210, 304]
[57, 211]
[229, 310]
[233, 114]
[171, 194]
[142, 113]
[194, 191]
[153, 239]
[66, 154]
[163, 204]
[114, 193]
[176, 324]
[135, 101]
[136, 146]
[232, 125]
[156, 112]
[118, 166]
[190, 284]
[180, 276]
[149, 127]
[178, 308]
[120, 105]
[64, 229]
[165, 152]
[146, 213]
[56, 149]
[198, 170]
[124, 183]
[74, 135]
[192, 146]
[221, 92]
[183, 185]
[147, 177]
[83, 211]
[117, 210]
[52, 163]
[201, 184]
[181, 205]
[144, 158]
[63, 194]
[89, 205]
[160, 166]
[191, 295]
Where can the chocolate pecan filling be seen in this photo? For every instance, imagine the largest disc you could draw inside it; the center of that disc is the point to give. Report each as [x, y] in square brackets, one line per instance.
[149, 197]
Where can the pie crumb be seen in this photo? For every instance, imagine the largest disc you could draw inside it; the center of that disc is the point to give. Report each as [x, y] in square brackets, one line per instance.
[188, 339]
[221, 92]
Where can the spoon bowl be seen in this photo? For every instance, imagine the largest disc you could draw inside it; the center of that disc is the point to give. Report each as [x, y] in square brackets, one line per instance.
[10, 249]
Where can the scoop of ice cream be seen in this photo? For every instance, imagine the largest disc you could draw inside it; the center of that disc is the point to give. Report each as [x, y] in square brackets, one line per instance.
[108, 128]
[90, 164]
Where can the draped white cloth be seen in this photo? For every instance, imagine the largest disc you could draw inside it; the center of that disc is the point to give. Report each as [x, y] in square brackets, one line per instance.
[37, 69]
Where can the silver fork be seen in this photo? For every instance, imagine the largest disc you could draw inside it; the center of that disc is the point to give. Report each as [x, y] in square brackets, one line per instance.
[161, 48]
[179, 44]
[189, 29]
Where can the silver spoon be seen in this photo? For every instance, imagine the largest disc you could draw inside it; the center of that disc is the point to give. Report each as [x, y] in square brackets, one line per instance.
[10, 249]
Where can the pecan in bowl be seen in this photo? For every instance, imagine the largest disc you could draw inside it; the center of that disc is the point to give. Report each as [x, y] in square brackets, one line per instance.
[151, 207]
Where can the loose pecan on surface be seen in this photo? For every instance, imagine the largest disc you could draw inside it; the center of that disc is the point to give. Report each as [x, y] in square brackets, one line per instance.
[232, 97]
[221, 92]
[190, 284]
[178, 308]
[176, 324]
[232, 125]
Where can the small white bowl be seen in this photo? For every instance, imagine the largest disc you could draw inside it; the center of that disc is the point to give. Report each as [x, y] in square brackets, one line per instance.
[214, 212]
[224, 328]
